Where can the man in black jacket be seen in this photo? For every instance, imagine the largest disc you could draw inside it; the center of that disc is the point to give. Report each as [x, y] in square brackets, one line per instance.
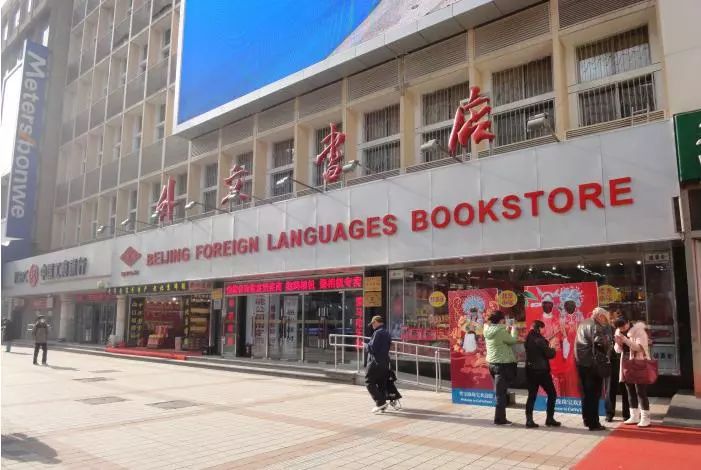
[377, 370]
[592, 353]
[538, 355]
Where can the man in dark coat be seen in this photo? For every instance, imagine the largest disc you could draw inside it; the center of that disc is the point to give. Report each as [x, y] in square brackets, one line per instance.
[538, 355]
[40, 332]
[377, 370]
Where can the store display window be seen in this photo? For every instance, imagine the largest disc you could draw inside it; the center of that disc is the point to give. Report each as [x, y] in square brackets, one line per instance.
[641, 288]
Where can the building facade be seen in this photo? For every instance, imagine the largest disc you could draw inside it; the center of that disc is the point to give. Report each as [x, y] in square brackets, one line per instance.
[590, 195]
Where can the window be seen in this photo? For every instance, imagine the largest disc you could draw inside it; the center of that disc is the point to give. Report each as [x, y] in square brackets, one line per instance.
[132, 209]
[45, 35]
[160, 121]
[117, 143]
[437, 114]
[381, 147]
[618, 100]
[613, 55]
[165, 44]
[533, 82]
[245, 160]
[112, 222]
[319, 135]
[136, 138]
[78, 222]
[100, 149]
[143, 59]
[210, 178]
[93, 222]
[180, 196]
[122, 71]
[282, 167]
[523, 82]
[156, 189]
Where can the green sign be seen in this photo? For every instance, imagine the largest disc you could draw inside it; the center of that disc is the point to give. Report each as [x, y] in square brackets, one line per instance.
[687, 128]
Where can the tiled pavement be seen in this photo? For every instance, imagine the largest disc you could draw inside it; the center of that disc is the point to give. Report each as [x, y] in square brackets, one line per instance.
[145, 415]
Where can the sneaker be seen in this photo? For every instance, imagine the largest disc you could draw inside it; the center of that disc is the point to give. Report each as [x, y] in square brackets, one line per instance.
[379, 409]
[506, 422]
[396, 405]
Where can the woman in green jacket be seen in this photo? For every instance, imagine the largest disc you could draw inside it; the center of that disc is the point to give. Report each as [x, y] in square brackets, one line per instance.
[502, 361]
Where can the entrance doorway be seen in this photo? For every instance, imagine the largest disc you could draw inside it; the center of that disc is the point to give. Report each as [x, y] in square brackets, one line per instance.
[295, 326]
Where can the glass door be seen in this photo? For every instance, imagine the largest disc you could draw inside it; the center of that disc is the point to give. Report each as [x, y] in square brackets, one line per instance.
[285, 327]
[108, 315]
[323, 315]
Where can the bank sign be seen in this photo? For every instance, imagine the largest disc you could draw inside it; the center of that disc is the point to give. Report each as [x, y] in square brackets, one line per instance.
[25, 158]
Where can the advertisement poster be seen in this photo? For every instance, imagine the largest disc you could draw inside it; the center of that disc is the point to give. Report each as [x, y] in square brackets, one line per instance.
[561, 307]
[468, 311]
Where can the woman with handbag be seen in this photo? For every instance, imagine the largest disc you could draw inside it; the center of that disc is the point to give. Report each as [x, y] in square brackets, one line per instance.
[631, 342]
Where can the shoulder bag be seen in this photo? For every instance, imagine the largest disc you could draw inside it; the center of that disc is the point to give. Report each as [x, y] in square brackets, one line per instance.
[639, 371]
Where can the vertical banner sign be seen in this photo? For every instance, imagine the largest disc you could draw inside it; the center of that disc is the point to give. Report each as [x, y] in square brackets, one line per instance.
[25, 157]
[469, 372]
[289, 324]
[561, 307]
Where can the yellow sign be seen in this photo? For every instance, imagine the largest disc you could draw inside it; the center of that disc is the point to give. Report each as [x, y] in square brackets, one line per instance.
[373, 284]
[608, 294]
[372, 299]
[217, 294]
[507, 298]
[436, 299]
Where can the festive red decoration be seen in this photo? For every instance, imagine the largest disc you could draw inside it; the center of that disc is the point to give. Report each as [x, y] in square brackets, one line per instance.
[235, 183]
[332, 150]
[464, 129]
[166, 202]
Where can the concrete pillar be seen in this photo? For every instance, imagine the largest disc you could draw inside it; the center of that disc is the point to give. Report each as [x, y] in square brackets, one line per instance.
[559, 61]
[66, 320]
[120, 326]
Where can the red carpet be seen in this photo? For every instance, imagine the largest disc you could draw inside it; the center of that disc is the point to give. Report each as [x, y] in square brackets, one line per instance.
[656, 447]
[161, 353]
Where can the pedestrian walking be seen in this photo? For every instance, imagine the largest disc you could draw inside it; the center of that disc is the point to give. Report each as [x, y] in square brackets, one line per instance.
[502, 361]
[538, 355]
[377, 370]
[40, 333]
[7, 334]
[612, 386]
[631, 342]
[593, 356]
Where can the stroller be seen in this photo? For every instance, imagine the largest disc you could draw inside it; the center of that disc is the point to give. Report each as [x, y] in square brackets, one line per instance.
[391, 393]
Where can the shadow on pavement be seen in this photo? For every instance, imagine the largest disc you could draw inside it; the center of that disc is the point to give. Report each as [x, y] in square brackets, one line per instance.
[22, 448]
[18, 353]
[429, 415]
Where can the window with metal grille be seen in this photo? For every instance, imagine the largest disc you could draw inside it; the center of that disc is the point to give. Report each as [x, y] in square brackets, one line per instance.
[180, 197]
[138, 131]
[510, 126]
[281, 182]
[523, 82]
[381, 146]
[132, 209]
[245, 160]
[209, 187]
[112, 222]
[160, 121]
[617, 100]
[622, 52]
[283, 153]
[165, 44]
[319, 135]
[519, 93]
[437, 114]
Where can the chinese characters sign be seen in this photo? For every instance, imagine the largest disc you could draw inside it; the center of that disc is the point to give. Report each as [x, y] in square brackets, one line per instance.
[166, 202]
[296, 285]
[235, 183]
[52, 271]
[472, 127]
[332, 155]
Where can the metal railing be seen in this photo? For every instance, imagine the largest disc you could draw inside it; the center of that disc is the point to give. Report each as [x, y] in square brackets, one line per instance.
[399, 348]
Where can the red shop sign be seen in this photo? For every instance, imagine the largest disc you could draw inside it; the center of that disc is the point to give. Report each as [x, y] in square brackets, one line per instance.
[296, 285]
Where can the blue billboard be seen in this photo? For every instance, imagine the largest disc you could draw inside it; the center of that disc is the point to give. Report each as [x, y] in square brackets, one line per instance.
[233, 48]
[25, 154]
